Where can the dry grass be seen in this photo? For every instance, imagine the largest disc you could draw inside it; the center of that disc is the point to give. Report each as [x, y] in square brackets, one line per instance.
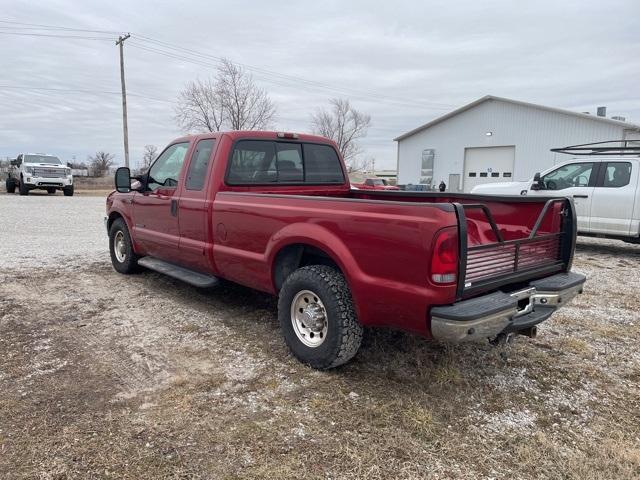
[142, 377]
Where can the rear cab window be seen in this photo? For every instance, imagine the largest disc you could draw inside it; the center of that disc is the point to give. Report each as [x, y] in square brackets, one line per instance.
[615, 175]
[266, 162]
[197, 172]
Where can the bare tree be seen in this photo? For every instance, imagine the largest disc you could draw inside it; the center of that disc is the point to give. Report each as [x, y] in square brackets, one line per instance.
[100, 163]
[229, 100]
[150, 154]
[246, 105]
[344, 125]
[200, 107]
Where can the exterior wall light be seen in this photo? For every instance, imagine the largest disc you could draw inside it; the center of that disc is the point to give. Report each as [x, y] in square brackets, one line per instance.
[488, 134]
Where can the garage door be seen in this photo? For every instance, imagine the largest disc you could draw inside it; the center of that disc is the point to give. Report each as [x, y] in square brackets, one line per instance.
[487, 165]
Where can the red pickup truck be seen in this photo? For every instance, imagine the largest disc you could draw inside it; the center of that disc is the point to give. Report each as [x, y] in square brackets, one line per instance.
[275, 212]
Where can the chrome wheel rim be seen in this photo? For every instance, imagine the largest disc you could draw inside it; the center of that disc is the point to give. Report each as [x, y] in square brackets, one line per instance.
[120, 247]
[309, 318]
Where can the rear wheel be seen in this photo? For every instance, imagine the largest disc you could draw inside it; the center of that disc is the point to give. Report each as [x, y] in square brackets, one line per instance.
[123, 258]
[68, 191]
[23, 189]
[51, 191]
[10, 183]
[317, 317]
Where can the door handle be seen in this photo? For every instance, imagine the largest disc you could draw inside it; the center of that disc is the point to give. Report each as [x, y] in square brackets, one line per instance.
[174, 208]
[581, 196]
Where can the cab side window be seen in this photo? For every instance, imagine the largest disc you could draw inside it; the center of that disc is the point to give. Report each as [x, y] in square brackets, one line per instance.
[616, 175]
[567, 176]
[199, 165]
[165, 171]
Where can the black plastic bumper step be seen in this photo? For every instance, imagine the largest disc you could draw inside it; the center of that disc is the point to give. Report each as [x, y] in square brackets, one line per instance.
[191, 277]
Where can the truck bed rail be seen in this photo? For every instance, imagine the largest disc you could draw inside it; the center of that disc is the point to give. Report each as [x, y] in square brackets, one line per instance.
[488, 266]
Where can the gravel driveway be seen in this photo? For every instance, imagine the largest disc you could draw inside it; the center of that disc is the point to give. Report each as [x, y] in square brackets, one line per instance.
[110, 376]
[51, 230]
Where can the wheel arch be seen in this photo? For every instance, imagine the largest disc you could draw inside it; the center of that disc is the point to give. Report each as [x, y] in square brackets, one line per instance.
[298, 245]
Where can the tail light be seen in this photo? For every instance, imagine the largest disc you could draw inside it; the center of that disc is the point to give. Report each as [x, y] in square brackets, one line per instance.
[444, 257]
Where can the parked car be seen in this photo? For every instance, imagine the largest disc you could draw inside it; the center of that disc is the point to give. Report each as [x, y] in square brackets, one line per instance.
[375, 184]
[275, 212]
[602, 180]
[31, 171]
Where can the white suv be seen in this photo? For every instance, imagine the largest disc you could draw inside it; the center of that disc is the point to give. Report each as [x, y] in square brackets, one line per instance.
[30, 171]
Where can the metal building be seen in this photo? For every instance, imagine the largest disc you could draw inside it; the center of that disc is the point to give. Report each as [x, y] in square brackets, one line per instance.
[496, 139]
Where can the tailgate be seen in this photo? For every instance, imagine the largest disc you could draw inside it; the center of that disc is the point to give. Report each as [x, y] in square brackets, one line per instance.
[505, 242]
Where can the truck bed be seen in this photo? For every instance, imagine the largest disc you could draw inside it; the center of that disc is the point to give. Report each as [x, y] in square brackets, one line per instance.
[502, 241]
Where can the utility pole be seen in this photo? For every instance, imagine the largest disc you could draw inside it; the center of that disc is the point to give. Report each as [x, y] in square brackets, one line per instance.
[120, 43]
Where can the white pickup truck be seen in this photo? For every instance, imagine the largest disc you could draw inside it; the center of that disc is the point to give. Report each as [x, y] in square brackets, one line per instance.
[30, 171]
[603, 181]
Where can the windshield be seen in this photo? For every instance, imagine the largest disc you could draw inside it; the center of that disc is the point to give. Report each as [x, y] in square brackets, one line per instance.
[42, 159]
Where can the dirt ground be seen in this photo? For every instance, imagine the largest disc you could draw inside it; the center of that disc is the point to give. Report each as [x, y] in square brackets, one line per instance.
[111, 376]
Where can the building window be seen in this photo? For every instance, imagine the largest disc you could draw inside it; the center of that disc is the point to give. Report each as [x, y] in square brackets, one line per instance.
[506, 174]
[426, 171]
[472, 174]
[483, 174]
[495, 174]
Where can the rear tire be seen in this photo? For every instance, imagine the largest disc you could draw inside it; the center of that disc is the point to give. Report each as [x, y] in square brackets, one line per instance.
[23, 189]
[317, 317]
[51, 191]
[123, 258]
[10, 183]
[68, 191]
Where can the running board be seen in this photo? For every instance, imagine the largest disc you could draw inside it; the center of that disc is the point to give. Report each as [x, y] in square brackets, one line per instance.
[196, 279]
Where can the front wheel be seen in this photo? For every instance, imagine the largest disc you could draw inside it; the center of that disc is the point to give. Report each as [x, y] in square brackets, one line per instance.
[68, 191]
[23, 189]
[123, 258]
[10, 183]
[51, 191]
[317, 317]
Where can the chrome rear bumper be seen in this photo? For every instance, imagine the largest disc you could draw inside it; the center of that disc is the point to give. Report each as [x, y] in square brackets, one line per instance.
[490, 315]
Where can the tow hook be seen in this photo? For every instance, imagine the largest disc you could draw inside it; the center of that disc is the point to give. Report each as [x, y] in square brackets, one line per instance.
[531, 332]
[502, 339]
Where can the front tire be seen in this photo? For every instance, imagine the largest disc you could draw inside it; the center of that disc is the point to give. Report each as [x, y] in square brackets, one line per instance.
[317, 317]
[23, 189]
[51, 191]
[68, 191]
[123, 258]
[10, 183]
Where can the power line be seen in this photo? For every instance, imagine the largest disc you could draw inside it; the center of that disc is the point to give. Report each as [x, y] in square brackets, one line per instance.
[271, 73]
[54, 27]
[263, 73]
[285, 80]
[80, 90]
[53, 35]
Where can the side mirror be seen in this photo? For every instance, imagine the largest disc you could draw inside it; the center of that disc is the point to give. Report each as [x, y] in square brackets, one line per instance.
[536, 185]
[15, 163]
[123, 180]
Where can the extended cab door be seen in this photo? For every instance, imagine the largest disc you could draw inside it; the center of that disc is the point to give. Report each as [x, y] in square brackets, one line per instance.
[613, 198]
[155, 211]
[194, 207]
[576, 180]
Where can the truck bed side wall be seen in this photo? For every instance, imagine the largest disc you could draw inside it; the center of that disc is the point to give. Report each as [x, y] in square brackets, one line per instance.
[383, 248]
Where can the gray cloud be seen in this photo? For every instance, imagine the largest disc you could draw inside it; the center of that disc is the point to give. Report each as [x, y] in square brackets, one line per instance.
[403, 62]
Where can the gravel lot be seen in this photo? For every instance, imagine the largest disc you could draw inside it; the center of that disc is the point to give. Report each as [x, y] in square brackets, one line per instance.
[111, 376]
[42, 229]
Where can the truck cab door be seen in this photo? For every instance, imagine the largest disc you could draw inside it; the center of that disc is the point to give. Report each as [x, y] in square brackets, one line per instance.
[575, 180]
[613, 198]
[195, 207]
[155, 210]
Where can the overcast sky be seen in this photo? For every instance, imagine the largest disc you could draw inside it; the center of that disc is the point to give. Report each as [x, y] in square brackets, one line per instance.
[402, 62]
